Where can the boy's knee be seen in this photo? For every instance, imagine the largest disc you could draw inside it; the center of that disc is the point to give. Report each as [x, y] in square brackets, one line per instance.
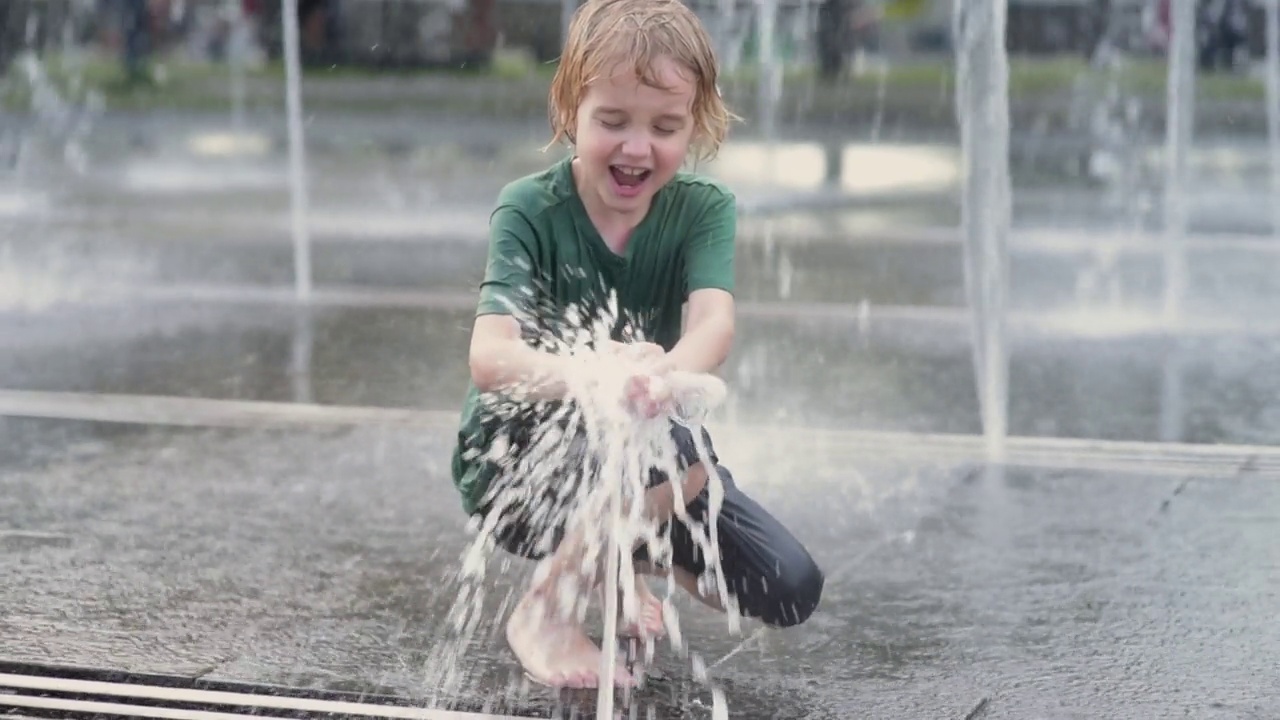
[661, 499]
[794, 594]
[694, 482]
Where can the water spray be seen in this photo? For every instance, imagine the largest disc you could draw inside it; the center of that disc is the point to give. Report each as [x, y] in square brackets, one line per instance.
[297, 151]
[1273, 106]
[693, 396]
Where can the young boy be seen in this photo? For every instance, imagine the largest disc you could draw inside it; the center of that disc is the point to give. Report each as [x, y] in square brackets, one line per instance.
[634, 93]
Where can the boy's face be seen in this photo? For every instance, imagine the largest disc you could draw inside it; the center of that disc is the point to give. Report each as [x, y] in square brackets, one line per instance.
[632, 138]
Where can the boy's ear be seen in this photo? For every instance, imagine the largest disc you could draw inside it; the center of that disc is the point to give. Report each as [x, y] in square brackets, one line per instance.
[570, 120]
[699, 148]
[693, 158]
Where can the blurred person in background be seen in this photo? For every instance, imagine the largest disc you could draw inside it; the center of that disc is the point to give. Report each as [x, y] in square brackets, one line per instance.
[128, 24]
[845, 27]
[1222, 31]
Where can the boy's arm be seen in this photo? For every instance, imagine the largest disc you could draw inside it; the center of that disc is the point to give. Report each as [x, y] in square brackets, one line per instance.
[709, 282]
[708, 333]
[499, 358]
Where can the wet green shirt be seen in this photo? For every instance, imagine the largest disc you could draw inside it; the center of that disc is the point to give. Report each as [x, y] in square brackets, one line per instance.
[545, 254]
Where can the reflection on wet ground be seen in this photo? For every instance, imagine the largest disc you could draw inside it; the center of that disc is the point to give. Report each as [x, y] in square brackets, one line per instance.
[870, 373]
[836, 259]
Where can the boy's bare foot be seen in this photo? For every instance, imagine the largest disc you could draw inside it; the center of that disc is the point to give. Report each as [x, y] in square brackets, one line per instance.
[650, 623]
[555, 651]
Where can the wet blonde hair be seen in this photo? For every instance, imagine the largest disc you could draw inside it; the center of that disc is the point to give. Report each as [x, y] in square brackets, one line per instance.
[606, 33]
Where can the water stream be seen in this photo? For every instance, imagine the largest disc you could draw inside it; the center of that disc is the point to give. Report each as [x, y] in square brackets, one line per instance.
[769, 82]
[298, 194]
[982, 106]
[1178, 137]
[1273, 106]
[237, 57]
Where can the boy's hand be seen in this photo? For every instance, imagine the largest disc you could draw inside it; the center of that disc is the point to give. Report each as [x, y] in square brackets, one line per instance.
[643, 353]
[647, 395]
[645, 392]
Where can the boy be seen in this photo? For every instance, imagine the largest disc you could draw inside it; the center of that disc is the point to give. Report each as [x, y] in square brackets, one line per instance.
[635, 91]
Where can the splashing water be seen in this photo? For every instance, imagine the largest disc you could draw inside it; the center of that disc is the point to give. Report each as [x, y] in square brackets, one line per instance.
[593, 430]
[58, 115]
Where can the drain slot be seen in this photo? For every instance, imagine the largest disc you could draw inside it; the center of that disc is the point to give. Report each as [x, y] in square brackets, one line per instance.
[44, 694]
[68, 707]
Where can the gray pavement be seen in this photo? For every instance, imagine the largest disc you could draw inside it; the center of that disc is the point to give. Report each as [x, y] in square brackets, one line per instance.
[326, 559]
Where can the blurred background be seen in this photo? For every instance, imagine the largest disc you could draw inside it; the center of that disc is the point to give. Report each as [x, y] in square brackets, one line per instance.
[146, 159]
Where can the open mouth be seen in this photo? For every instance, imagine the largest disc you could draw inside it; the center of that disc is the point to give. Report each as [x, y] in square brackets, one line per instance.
[628, 177]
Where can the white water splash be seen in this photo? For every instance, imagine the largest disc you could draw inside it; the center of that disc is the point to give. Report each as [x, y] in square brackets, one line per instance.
[594, 430]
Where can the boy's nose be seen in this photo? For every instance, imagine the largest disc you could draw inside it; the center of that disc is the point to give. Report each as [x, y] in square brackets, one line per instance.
[635, 147]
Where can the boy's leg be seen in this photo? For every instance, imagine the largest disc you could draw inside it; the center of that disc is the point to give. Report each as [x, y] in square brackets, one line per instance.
[545, 629]
[768, 571]
[528, 513]
[660, 502]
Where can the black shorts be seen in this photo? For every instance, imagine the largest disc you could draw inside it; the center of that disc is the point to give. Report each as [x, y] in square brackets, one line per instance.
[768, 571]
[531, 516]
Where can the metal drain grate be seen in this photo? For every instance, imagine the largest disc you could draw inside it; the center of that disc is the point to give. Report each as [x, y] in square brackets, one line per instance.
[42, 691]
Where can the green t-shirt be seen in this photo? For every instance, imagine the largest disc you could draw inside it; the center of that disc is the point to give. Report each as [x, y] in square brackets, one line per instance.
[545, 253]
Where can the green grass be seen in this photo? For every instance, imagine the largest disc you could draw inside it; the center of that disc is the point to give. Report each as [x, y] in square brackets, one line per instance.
[521, 81]
[1149, 77]
[1031, 77]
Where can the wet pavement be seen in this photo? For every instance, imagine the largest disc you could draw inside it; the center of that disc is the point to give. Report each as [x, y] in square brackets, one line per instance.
[325, 559]
[1229, 279]
[325, 556]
